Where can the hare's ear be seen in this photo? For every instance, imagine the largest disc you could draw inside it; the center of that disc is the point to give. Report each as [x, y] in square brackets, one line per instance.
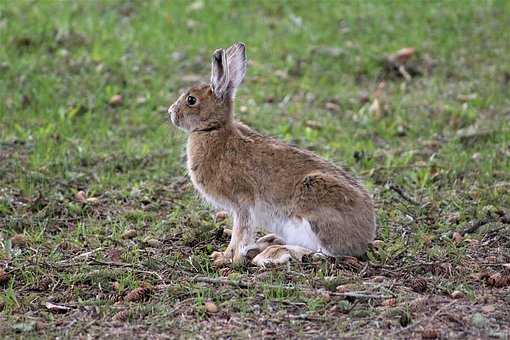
[219, 73]
[236, 59]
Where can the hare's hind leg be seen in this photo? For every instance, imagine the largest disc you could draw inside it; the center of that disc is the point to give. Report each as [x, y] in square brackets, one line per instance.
[339, 211]
[279, 254]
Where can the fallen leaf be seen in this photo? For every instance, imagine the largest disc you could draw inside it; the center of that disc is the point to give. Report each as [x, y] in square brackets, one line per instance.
[54, 308]
[403, 55]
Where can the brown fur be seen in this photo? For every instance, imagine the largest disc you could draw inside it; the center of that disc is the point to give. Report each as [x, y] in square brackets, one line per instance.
[234, 167]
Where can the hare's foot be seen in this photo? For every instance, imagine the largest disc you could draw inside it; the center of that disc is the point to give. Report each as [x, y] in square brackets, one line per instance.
[232, 256]
[221, 258]
[261, 244]
[279, 254]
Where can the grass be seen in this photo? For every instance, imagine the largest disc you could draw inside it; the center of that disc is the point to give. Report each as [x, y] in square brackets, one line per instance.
[442, 137]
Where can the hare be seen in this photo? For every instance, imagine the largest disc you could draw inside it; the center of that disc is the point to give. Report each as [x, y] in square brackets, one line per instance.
[308, 204]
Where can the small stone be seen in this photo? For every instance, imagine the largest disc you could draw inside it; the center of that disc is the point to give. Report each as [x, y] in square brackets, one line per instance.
[488, 309]
[476, 156]
[19, 240]
[342, 289]
[457, 294]
[80, 196]
[151, 242]
[130, 233]
[116, 100]
[478, 320]
[313, 124]
[457, 237]
[377, 244]
[40, 325]
[333, 107]
[378, 278]
[210, 307]
[326, 296]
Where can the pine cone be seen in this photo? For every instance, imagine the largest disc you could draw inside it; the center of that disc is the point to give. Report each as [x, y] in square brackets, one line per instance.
[121, 316]
[419, 285]
[498, 280]
[137, 294]
[429, 333]
[3, 276]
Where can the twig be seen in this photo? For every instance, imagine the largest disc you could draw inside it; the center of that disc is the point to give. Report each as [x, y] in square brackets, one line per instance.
[113, 264]
[245, 285]
[475, 225]
[417, 323]
[81, 255]
[126, 265]
[403, 194]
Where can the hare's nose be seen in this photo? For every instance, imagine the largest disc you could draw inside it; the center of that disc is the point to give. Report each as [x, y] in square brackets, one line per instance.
[170, 109]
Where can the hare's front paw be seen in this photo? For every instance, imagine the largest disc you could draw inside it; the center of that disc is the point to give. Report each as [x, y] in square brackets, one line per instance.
[221, 259]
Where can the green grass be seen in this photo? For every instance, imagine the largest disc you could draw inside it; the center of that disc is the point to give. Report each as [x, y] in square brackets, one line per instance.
[442, 136]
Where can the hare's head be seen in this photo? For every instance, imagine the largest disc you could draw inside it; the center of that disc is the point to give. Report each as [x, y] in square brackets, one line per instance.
[208, 107]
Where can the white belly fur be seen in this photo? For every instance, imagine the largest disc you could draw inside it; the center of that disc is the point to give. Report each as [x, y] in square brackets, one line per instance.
[293, 231]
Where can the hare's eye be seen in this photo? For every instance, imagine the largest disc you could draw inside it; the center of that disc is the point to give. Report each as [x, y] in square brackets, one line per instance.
[191, 100]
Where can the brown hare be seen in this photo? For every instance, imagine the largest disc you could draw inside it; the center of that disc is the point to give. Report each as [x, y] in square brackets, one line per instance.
[308, 204]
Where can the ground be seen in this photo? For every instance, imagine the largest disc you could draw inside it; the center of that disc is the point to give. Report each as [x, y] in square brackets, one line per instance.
[102, 234]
